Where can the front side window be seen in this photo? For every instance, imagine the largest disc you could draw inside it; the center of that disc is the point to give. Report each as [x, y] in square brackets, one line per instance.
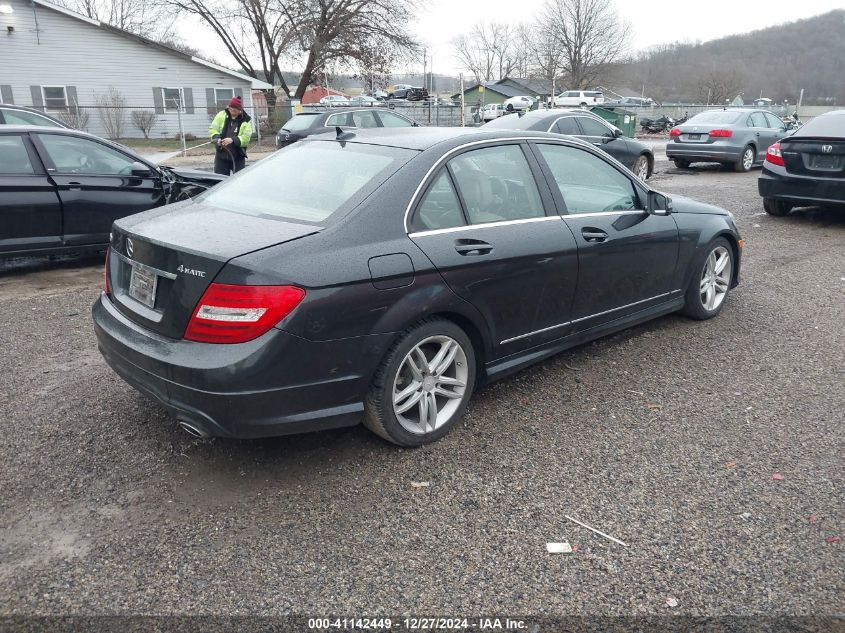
[440, 208]
[566, 125]
[592, 127]
[172, 98]
[14, 158]
[55, 97]
[308, 182]
[496, 184]
[586, 182]
[20, 117]
[222, 97]
[72, 155]
[388, 119]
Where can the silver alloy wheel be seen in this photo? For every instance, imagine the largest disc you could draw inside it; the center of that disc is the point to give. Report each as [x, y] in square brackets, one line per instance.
[642, 168]
[716, 278]
[748, 158]
[430, 384]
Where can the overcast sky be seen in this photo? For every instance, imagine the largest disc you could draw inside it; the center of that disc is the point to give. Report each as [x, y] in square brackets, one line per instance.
[653, 22]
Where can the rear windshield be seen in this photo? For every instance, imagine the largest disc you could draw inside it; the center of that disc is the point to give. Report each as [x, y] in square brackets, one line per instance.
[299, 122]
[510, 122]
[308, 181]
[717, 116]
[827, 125]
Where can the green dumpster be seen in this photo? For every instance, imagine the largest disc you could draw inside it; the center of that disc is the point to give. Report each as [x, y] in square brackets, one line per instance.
[625, 120]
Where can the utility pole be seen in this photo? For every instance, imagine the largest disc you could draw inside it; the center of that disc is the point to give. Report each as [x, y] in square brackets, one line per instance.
[463, 104]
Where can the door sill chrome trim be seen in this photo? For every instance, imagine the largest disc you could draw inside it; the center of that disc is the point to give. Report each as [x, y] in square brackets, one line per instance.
[546, 329]
[457, 229]
[628, 305]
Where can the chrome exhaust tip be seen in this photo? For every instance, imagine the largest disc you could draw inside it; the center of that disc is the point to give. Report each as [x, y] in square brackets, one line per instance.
[192, 429]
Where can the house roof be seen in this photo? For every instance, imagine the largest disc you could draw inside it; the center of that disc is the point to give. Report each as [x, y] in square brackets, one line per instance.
[493, 86]
[532, 86]
[256, 83]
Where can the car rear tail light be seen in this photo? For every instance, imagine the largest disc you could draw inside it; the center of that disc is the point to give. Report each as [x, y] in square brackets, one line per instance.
[237, 314]
[106, 280]
[674, 132]
[774, 156]
[721, 133]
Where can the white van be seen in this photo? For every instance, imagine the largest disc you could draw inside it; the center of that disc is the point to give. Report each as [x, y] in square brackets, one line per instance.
[583, 98]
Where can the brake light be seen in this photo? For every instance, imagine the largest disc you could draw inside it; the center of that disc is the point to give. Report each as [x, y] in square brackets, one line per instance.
[774, 156]
[106, 281]
[674, 132]
[237, 314]
[721, 133]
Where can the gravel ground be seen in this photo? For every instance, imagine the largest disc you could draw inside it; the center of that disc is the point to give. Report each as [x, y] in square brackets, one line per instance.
[713, 449]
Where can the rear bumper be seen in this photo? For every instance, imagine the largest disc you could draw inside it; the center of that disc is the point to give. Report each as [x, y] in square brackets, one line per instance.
[801, 190]
[277, 384]
[703, 152]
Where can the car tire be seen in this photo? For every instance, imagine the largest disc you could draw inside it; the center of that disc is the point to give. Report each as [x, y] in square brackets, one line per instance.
[403, 389]
[745, 163]
[680, 163]
[583, 104]
[778, 208]
[641, 167]
[710, 275]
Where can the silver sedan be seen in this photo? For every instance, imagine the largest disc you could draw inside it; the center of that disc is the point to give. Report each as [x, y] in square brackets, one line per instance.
[737, 137]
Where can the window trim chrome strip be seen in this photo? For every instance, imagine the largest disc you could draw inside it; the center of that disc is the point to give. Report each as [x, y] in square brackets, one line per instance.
[145, 267]
[593, 214]
[468, 227]
[573, 322]
[452, 151]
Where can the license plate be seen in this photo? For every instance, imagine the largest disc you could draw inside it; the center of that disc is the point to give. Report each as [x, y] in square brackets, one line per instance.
[823, 162]
[142, 286]
[695, 137]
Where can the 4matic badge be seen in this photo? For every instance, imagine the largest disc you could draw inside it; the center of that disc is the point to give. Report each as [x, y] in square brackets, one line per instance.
[190, 271]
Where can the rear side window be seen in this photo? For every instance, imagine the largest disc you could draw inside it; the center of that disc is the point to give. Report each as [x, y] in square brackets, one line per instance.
[757, 120]
[19, 117]
[566, 125]
[586, 182]
[440, 207]
[364, 118]
[14, 158]
[299, 122]
[309, 181]
[496, 185]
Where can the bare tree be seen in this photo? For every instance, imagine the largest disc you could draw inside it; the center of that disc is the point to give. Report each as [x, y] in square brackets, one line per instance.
[75, 117]
[489, 51]
[144, 120]
[111, 108]
[148, 18]
[589, 34]
[546, 53]
[718, 85]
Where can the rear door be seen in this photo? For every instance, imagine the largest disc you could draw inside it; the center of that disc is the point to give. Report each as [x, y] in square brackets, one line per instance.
[30, 211]
[95, 184]
[626, 257]
[764, 134]
[483, 223]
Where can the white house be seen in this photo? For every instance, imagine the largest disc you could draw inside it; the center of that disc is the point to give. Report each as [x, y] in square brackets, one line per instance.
[64, 63]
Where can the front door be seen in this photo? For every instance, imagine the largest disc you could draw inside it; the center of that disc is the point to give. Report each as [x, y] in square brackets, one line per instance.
[483, 224]
[602, 136]
[30, 212]
[96, 185]
[626, 257]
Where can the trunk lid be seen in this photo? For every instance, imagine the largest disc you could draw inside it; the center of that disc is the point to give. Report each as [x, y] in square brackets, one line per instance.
[162, 261]
[814, 157]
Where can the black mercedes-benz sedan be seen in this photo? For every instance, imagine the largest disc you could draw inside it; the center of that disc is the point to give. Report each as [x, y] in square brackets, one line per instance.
[307, 123]
[635, 155]
[382, 275]
[61, 190]
[806, 168]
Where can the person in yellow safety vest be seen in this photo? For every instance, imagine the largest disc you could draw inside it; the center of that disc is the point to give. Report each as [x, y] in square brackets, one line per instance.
[231, 131]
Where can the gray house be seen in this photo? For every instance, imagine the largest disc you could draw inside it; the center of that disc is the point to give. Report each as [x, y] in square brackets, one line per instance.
[95, 76]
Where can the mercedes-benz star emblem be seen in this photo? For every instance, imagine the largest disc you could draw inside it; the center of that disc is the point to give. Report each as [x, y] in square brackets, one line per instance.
[130, 247]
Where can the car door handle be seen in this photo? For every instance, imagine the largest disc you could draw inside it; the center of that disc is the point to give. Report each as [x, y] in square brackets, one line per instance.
[472, 247]
[593, 235]
[74, 186]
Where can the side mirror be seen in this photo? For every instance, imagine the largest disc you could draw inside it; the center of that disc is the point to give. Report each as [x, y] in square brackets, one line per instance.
[140, 169]
[617, 132]
[659, 204]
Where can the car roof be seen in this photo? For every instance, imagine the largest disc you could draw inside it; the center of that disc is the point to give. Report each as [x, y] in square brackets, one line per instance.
[423, 138]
